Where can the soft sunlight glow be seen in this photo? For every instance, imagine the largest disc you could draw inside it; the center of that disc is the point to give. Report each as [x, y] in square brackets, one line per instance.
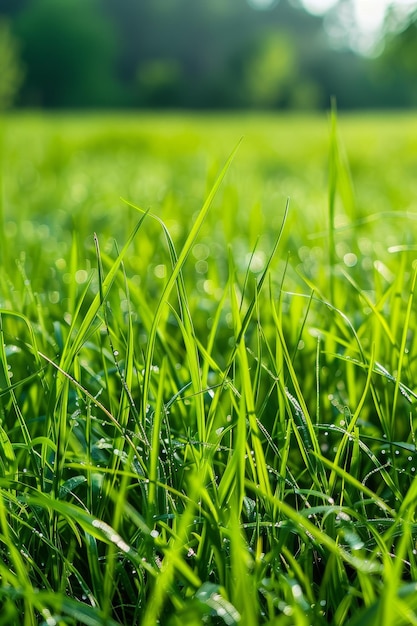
[369, 14]
[317, 7]
[262, 4]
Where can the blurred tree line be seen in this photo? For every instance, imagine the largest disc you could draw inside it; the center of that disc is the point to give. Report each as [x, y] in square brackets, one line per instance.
[193, 54]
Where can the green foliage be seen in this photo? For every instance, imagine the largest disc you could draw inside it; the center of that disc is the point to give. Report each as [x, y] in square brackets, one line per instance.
[11, 71]
[159, 82]
[69, 50]
[183, 53]
[271, 70]
[195, 425]
[396, 61]
[111, 53]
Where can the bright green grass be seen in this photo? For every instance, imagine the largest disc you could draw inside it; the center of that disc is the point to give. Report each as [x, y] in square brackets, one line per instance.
[207, 397]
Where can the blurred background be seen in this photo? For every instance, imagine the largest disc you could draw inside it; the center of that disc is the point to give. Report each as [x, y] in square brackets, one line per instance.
[208, 54]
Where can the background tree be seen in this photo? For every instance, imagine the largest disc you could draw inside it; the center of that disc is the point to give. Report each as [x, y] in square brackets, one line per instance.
[196, 54]
[11, 71]
[396, 68]
[68, 48]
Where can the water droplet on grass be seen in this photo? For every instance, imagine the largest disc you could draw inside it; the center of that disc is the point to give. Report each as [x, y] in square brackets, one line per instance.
[81, 277]
[350, 259]
[160, 271]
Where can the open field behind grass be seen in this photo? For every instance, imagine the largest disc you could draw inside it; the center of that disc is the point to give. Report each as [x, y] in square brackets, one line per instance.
[207, 391]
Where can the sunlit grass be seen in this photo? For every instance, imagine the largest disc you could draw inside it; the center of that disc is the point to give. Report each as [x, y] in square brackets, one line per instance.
[207, 395]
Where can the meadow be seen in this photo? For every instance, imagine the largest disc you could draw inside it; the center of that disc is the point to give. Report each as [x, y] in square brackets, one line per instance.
[207, 365]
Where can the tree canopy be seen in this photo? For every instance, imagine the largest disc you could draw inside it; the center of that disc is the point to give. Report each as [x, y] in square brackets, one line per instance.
[197, 54]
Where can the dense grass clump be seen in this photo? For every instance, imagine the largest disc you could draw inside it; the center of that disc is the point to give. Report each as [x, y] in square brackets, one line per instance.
[207, 408]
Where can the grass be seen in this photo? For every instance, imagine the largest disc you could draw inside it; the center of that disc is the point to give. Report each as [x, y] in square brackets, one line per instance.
[207, 399]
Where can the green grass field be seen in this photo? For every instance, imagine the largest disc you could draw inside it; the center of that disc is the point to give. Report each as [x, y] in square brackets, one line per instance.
[207, 370]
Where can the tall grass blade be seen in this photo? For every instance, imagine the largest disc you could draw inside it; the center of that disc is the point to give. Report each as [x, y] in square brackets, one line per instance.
[174, 277]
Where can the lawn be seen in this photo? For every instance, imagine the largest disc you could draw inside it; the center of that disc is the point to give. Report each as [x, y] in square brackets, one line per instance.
[207, 365]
